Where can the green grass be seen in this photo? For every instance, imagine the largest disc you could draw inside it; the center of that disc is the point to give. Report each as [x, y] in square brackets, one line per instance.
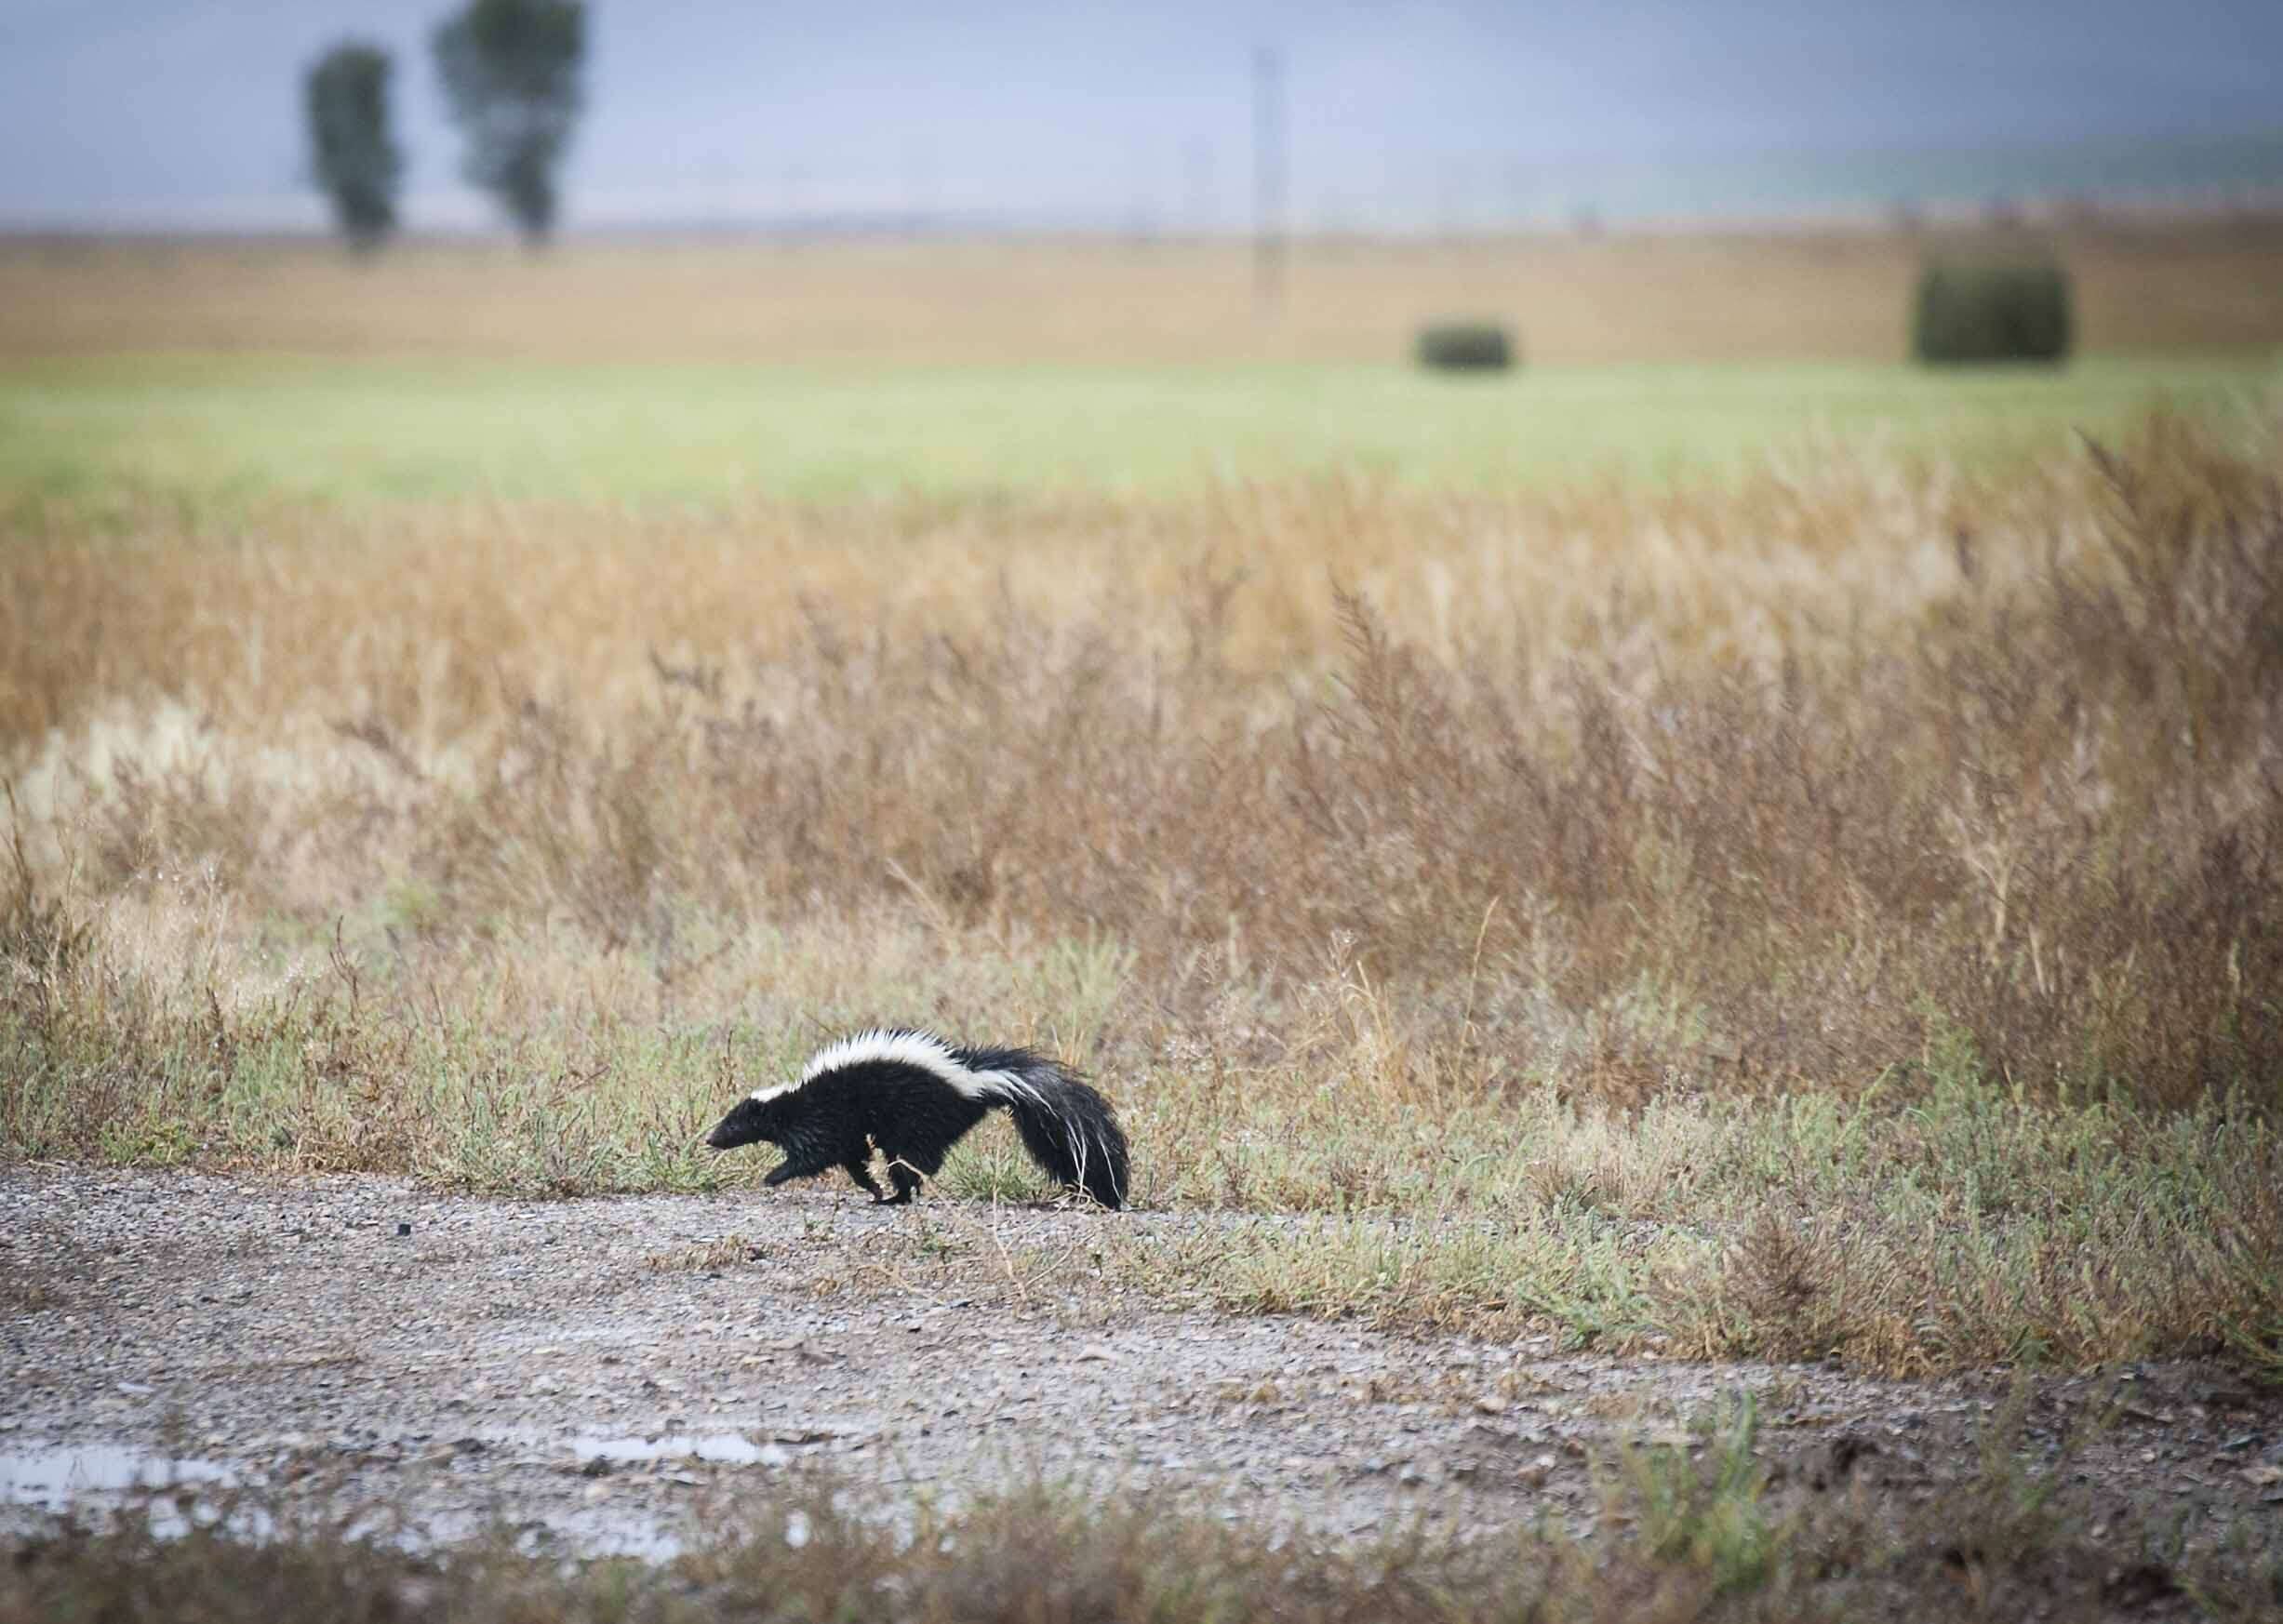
[255, 427]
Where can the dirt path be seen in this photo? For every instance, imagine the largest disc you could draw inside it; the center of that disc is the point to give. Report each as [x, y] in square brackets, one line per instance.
[596, 1369]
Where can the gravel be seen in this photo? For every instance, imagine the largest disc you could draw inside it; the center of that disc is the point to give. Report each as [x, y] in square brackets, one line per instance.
[601, 1372]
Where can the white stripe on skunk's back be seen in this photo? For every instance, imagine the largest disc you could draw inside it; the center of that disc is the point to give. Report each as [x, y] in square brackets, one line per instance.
[900, 1047]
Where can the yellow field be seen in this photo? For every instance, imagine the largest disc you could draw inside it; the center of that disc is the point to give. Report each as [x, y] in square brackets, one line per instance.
[1829, 295]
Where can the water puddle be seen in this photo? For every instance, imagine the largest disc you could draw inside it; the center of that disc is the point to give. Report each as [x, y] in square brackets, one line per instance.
[51, 1479]
[717, 1448]
[178, 1493]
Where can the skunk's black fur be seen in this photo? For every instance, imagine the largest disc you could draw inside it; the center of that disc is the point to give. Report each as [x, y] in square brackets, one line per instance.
[914, 1096]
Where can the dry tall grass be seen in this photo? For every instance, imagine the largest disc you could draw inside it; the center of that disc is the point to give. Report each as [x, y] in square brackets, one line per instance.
[1837, 295]
[1893, 855]
[1794, 779]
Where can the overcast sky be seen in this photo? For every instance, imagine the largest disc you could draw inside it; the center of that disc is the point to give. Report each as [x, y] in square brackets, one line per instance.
[187, 112]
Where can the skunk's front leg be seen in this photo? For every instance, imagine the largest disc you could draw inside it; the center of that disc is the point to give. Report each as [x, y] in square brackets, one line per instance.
[798, 1167]
[805, 1158]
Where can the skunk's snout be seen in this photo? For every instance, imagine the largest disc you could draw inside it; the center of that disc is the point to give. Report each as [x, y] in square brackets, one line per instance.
[741, 1126]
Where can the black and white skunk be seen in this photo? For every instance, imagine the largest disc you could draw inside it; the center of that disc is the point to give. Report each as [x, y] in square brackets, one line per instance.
[914, 1096]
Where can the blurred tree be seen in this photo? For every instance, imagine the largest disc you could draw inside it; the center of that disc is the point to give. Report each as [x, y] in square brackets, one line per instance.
[510, 74]
[358, 165]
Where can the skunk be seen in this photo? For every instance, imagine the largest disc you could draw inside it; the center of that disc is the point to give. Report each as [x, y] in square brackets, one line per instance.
[915, 1095]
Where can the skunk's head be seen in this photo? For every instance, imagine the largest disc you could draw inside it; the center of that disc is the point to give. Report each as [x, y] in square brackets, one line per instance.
[750, 1120]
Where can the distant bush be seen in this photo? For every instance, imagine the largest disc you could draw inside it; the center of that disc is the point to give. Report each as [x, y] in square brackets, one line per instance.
[1465, 346]
[353, 157]
[1991, 312]
[511, 71]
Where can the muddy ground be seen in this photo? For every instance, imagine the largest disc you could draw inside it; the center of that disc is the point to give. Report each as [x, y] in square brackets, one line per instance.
[599, 1372]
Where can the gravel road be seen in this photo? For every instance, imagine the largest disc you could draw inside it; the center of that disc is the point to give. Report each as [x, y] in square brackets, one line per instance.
[595, 1371]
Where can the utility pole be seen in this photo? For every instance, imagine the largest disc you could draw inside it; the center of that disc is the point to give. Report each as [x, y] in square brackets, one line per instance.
[1197, 167]
[796, 194]
[1268, 178]
[1517, 196]
[919, 190]
[1450, 223]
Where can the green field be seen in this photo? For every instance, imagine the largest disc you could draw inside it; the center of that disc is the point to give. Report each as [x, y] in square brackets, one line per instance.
[232, 427]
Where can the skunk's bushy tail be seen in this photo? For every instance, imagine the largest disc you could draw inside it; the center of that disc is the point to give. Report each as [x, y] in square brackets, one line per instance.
[1068, 1128]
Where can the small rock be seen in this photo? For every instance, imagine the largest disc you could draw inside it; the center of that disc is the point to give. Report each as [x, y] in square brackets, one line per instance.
[1847, 1450]
[2142, 1585]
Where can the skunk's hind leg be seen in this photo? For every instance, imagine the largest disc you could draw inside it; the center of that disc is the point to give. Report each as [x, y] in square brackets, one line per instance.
[909, 1169]
[913, 1160]
[858, 1170]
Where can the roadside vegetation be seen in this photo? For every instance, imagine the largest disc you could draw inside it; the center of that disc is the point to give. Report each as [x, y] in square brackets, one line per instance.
[1718, 1525]
[1835, 913]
